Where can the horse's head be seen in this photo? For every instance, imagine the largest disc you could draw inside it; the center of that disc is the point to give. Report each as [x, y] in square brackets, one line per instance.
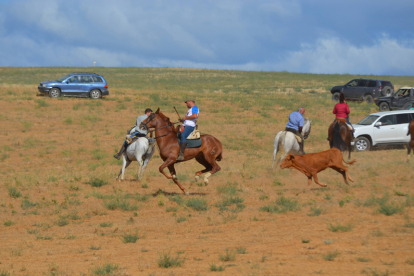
[306, 128]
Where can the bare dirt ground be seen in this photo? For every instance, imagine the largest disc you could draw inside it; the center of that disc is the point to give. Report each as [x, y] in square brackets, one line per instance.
[54, 222]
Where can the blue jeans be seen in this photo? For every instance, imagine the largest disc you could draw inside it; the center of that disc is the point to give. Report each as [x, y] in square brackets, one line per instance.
[187, 131]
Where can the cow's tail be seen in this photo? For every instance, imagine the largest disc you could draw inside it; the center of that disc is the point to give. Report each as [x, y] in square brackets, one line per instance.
[349, 163]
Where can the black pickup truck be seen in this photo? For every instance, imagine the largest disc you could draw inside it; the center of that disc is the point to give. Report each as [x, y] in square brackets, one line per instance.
[402, 99]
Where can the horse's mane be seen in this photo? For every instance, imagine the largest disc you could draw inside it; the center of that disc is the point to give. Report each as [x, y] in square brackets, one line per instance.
[166, 119]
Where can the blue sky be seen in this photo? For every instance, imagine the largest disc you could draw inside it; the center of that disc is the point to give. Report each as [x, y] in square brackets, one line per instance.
[308, 36]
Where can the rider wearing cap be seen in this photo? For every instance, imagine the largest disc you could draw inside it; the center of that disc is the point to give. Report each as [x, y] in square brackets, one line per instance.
[137, 133]
[295, 125]
[189, 123]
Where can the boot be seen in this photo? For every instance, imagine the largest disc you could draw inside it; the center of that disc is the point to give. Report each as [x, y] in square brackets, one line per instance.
[180, 156]
[301, 152]
[121, 151]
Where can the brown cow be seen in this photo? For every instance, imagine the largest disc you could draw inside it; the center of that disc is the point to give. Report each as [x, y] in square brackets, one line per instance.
[311, 164]
[411, 143]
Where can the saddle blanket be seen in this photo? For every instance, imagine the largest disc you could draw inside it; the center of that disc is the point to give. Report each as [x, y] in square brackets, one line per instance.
[296, 136]
[193, 143]
[343, 120]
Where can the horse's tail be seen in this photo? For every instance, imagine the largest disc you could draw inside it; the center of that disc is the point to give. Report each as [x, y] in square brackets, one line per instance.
[409, 125]
[349, 163]
[338, 142]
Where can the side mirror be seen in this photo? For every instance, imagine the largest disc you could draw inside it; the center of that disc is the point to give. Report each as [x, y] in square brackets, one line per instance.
[377, 124]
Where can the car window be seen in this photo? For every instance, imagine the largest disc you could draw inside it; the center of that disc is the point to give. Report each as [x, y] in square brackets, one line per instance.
[386, 83]
[362, 83]
[412, 116]
[403, 92]
[388, 120]
[97, 79]
[85, 79]
[368, 120]
[63, 78]
[403, 118]
[372, 83]
[352, 83]
[74, 79]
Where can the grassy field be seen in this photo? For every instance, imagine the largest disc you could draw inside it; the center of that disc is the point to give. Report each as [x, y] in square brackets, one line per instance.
[62, 212]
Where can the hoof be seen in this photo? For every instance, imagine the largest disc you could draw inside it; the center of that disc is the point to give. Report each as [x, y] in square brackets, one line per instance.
[174, 177]
[197, 178]
[187, 193]
[206, 182]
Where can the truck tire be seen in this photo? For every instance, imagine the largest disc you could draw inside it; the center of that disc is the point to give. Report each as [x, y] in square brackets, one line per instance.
[362, 144]
[384, 106]
[368, 99]
[335, 97]
[386, 91]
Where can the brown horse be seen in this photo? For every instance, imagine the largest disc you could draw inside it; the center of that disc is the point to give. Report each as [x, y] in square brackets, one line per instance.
[340, 137]
[411, 143]
[210, 151]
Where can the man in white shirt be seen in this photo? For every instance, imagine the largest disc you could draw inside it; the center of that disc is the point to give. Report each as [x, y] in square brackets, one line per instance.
[189, 123]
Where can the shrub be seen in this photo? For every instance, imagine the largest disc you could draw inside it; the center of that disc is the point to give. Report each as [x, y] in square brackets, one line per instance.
[130, 238]
[177, 199]
[119, 203]
[331, 256]
[165, 260]
[363, 260]
[106, 269]
[228, 256]
[315, 211]
[390, 209]
[214, 267]
[228, 201]
[340, 228]
[181, 219]
[13, 192]
[8, 223]
[281, 205]
[228, 189]
[197, 204]
[62, 222]
[241, 250]
[26, 204]
[105, 224]
[95, 182]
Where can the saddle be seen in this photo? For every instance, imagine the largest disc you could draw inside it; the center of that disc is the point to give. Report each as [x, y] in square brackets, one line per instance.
[296, 136]
[193, 135]
[130, 140]
[343, 120]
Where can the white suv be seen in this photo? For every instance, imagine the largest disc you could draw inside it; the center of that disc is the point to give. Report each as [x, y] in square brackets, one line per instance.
[383, 128]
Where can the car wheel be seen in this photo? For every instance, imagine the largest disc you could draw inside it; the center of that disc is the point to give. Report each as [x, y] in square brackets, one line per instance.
[95, 94]
[335, 97]
[362, 144]
[386, 91]
[54, 93]
[368, 99]
[384, 106]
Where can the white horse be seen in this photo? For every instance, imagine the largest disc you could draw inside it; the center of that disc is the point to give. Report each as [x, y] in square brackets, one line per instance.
[286, 140]
[140, 151]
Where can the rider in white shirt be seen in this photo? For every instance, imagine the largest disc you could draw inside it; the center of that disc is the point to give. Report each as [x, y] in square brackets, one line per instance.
[189, 122]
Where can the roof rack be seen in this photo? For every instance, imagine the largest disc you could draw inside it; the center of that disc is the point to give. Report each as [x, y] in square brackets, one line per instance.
[83, 73]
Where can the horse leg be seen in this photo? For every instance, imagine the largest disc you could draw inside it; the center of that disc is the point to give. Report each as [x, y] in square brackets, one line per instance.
[174, 177]
[207, 169]
[125, 164]
[276, 150]
[212, 162]
[139, 171]
[409, 146]
[315, 178]
[148, 157]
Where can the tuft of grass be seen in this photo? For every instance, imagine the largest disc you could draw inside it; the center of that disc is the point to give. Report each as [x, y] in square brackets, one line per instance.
[363, 260]
[228, 189]
[177, 199]
[130, 238]
[93, 247]
[107, 269]
[228, 201]
[96, 182]
[315, 211]
[305, 241]
[165, 260]
[390, 209]
[340, 228]
[372, 201]
[241, 250]
[197, 204]
[281, 205]
[8, 223]
[27, 204]
[4, 273]
[330, 256]
[120, 203]
[181, 219]
[14, 193]
[41, 103]
[230, 255]
[105, 224]
[410, 261]
[214, 267]
[62, 222]
[171, 209]
[374, 272]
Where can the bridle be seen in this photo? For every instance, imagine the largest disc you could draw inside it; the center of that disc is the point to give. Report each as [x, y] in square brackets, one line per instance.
[152, 118]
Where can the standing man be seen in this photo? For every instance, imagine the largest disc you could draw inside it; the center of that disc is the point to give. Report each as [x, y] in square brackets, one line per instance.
[189, 123]
[137, 132]
[295, 125]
